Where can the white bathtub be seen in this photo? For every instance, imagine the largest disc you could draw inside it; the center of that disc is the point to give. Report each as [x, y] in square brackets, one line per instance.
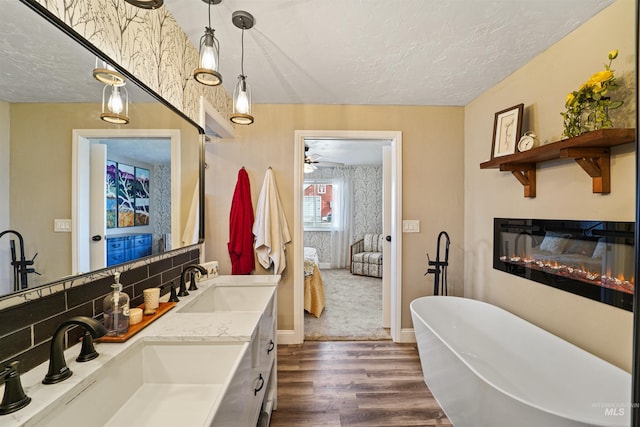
[490, 368]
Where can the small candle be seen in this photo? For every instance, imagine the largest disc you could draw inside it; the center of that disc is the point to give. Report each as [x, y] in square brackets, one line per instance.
[135, 316]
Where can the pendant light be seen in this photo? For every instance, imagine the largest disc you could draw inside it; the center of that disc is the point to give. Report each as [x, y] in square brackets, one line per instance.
[146, 4]
[115, 109]
[242, 93]
[105, 73]
[207, 72]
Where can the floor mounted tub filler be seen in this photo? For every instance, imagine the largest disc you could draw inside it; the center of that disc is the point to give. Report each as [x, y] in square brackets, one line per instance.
[490, 368]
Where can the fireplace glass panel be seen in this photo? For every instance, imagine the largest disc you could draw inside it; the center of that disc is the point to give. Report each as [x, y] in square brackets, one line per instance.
[594, 259]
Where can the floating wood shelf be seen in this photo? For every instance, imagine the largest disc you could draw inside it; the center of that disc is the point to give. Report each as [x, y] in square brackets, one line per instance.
[590, 150]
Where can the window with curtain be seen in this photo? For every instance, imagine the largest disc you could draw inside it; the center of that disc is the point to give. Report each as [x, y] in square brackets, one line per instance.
[319, 208]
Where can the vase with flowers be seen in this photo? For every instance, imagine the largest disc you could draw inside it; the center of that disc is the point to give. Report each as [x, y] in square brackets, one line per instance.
[588, 107]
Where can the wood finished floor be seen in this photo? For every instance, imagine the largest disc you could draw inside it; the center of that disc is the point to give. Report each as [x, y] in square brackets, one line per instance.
[353, 383]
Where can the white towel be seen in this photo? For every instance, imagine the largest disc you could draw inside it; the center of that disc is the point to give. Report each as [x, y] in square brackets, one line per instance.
[270, 226]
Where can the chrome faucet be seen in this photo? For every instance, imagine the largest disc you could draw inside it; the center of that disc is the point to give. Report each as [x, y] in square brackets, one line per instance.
[14, 397]
[58, 370]
[183, 281]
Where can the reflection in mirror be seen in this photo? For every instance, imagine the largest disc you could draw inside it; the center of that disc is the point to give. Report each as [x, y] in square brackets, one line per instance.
[71, 184]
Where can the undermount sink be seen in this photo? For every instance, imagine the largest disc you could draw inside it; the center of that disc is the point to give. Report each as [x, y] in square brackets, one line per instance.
[230, 297]
[153, 384]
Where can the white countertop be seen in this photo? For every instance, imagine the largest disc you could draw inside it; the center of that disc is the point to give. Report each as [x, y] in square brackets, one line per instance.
[171, 327]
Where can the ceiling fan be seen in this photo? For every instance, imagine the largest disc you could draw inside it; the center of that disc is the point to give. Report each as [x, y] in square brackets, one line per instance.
[310, 160]
[313, 159]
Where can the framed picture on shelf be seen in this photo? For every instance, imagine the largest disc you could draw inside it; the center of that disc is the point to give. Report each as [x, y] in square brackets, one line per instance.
[507, 127]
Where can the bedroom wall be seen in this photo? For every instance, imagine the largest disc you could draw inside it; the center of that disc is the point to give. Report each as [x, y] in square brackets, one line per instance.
[367, 206]
[563, 188]
[432, 181]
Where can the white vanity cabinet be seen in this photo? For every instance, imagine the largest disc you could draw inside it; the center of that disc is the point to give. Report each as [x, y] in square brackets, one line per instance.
[265, 364]
[254, 384]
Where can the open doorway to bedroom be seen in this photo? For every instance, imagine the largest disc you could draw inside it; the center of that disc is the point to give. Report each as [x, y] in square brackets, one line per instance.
[342, 209]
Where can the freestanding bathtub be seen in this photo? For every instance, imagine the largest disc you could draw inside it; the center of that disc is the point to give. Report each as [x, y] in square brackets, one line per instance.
[490, 368]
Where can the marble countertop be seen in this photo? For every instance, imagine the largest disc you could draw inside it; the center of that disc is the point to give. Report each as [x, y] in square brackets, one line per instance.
[174, 326]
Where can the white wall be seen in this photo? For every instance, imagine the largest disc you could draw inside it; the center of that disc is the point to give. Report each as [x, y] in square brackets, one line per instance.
[563, 188]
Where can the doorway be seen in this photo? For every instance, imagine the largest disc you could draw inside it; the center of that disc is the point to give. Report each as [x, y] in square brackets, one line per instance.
[89, 218]
[393, 248]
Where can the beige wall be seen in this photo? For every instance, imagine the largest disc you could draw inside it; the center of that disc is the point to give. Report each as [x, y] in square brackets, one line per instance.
[6, 271]
[563, 188]
[41, 149]
[432, 181]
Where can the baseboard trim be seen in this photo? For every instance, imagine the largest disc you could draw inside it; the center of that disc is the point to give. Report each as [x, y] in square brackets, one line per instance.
[324, 265]
[407, 335]
[287, 336]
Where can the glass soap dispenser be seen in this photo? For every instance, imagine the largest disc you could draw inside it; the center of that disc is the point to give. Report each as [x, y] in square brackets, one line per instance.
[116, 309]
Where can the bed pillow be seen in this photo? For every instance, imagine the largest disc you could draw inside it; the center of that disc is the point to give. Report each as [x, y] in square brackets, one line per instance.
[581, 247]
[554, 242]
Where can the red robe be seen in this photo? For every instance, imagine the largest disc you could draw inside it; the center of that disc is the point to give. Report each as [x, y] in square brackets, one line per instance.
[240, 227]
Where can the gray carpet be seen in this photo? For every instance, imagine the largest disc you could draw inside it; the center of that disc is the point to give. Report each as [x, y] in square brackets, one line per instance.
[353, 309]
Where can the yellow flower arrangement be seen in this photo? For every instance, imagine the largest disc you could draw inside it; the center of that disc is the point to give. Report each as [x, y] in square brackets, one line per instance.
[588, 107]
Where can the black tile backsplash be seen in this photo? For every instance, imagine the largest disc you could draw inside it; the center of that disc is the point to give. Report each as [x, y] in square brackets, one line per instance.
[41, 317]
[17, 339]
[26, 314]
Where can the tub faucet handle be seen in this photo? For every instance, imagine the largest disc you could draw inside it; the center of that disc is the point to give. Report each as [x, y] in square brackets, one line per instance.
[14, 396]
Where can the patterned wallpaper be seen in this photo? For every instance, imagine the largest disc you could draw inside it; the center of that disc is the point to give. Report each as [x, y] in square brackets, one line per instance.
[161, 195]
[367, 205]
[147, 43]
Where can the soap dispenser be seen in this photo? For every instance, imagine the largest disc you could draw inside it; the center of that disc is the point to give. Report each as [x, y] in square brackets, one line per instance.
[116, 309]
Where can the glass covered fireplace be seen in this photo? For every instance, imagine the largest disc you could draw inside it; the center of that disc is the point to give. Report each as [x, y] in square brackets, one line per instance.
[594, 259]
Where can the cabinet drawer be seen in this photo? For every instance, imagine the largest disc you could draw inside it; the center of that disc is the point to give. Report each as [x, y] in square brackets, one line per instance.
[142, 240]
[118, 243]
[117, 256]
[139, 252]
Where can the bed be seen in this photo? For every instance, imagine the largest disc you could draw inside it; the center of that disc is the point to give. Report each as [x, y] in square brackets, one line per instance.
[313, 288]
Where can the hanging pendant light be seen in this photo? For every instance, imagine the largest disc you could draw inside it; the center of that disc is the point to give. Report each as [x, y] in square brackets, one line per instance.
[207, 72]
[105, 73]
[242, 92]
[146, 4]
[115, 109]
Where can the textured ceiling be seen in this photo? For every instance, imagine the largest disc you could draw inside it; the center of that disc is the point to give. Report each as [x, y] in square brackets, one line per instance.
[381, 52]
[391, 52]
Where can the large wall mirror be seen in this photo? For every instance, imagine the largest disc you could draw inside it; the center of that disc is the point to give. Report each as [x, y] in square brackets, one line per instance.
[78, 194]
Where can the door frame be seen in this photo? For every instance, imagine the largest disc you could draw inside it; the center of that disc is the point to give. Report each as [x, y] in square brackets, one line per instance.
[396, 223]
[79, 136]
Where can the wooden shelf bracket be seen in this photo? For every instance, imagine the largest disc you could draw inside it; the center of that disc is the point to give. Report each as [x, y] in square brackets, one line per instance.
[591, 151]
[596, 162]
[525, 173]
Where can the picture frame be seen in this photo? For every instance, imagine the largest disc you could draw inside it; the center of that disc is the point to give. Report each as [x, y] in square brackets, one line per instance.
[507, 127]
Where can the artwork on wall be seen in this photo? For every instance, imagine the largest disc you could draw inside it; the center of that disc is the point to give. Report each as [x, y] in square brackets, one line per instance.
[112, 194]
[507, 127]
[141, 188]
[127, 195]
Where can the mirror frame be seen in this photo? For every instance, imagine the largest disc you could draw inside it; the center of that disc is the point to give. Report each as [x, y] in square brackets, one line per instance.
[30, 294]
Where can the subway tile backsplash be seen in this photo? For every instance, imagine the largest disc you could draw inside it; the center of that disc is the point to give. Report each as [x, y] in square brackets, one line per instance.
[26, 329]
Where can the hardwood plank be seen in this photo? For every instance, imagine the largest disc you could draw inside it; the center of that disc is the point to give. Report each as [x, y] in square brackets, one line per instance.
[359, 383]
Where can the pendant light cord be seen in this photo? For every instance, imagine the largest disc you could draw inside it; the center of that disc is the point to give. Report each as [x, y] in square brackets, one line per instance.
[209, 2]
[242, 53]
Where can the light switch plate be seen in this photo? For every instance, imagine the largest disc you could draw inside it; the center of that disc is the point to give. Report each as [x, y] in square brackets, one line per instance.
[62, 225]
[411, 226]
